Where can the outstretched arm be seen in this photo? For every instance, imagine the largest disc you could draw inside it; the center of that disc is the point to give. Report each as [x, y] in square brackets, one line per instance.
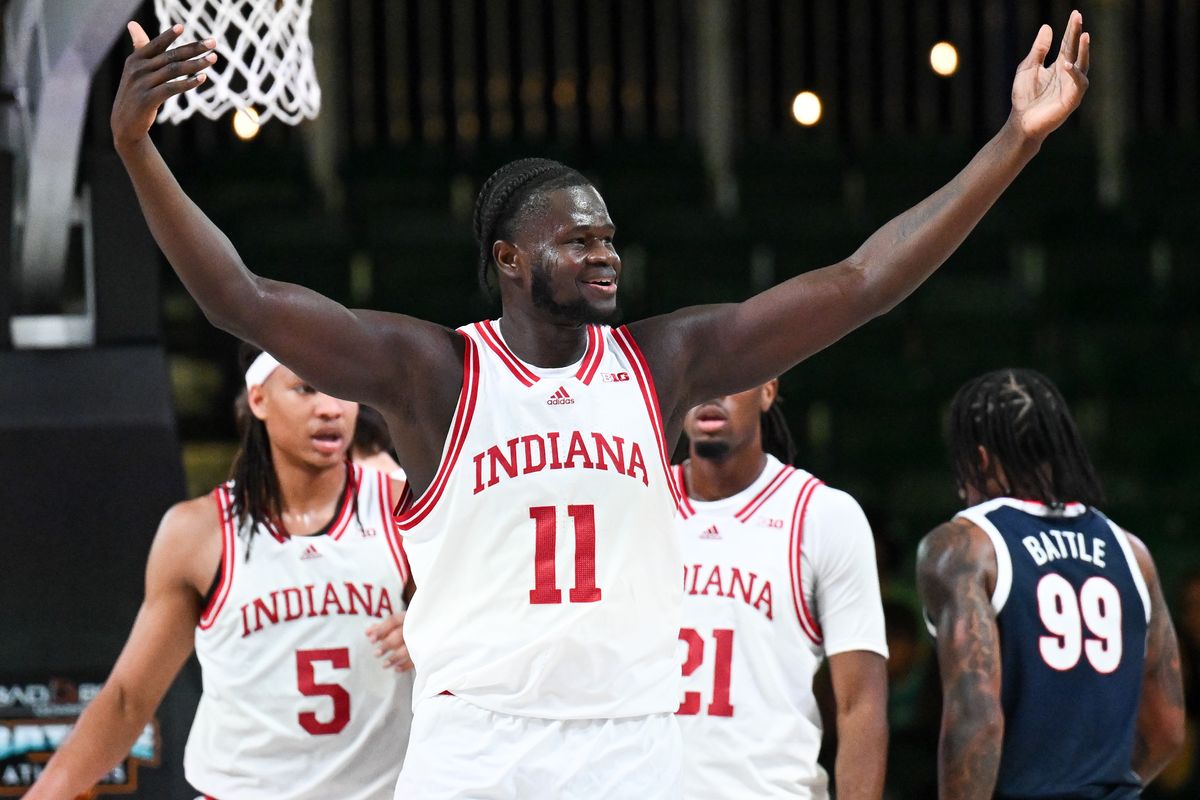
[716, 350]
[359, 355]
[1161, 713]
[956, 568]
[158, 645]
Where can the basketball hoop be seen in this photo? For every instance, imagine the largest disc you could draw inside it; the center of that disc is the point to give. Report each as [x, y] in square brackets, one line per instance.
[265, 62]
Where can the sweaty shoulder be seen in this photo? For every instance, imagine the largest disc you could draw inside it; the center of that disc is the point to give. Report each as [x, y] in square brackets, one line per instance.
[187, 546]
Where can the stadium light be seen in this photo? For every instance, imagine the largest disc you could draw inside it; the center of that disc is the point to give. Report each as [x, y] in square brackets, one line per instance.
[943, 57]
[806, 109]
[245, 123]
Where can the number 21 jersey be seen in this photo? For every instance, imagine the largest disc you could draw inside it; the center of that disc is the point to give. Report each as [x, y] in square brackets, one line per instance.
[543, 552]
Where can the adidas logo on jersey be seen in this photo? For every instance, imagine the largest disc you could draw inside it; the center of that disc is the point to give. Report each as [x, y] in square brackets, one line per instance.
[711, 533]
[310, 552]
[560, 398]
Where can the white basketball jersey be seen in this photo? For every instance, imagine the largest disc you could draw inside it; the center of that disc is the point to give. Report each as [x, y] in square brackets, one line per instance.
[751, 641]
[543, 551]
[296, 704]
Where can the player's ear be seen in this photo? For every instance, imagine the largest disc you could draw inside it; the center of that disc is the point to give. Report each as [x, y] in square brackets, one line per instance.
[257, 401]
[507, 257]
[770, 391]
[985, 459]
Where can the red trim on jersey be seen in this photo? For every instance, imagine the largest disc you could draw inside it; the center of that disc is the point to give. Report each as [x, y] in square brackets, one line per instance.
[762, 497]
[406, 498]
[646, 383]
[228, 559]
[462, 423]
[593, 356]
[809, 625]
[686, 509]
[354, 476]
[395, 546]
[492, 339]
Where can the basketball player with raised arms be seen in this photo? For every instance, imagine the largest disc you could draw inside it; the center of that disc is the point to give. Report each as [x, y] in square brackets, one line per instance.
[1059, 663]
[778, 575]
[540, 527]
[289, 583]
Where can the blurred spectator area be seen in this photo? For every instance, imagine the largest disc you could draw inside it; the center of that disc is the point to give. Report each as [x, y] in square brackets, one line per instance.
[1086, 269]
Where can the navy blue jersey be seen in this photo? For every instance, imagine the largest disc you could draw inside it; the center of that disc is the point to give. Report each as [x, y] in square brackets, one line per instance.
[1072, 612]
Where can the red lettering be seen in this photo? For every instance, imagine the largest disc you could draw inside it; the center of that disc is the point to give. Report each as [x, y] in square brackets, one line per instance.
[577, 449]
[637, 463]
[530, 465]
[288, 614]
[509, 465]
[312, 604]
[764, 595]
[714, 579]
[245, 622]
[352, 594]
[385, 602]
[479, 473]
[331, 597]
[261, 610]
[553, 438]
[602, 447]
[737, 581]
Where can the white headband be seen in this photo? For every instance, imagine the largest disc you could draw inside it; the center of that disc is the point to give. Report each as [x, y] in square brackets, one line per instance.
[261, 369]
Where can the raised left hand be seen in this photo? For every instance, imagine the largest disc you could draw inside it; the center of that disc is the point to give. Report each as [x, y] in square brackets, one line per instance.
[1043, 97]
[388, 635]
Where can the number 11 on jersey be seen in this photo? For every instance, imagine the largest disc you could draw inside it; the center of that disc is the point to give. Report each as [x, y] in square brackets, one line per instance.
[545, 586]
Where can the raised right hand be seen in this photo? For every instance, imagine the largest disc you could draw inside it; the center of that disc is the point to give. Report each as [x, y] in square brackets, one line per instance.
[149, 79]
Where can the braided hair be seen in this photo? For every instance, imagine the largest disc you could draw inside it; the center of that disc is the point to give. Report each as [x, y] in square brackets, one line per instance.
[254, 486]
[776, 435]
[504, 202]
[1022, 421]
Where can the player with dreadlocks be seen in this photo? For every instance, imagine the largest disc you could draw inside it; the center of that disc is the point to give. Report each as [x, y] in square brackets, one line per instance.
[545, 624]
[779, 574]
[1059, 663]
[289, 583]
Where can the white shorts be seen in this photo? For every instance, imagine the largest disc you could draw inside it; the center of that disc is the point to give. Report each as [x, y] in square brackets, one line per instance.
[461, 751]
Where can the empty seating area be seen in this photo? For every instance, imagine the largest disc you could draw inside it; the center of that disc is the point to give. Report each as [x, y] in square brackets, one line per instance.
[1101, 299]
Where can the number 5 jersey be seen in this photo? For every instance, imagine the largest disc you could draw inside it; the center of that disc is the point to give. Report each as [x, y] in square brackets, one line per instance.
[296, 705]
[543, 554]
[776, 578]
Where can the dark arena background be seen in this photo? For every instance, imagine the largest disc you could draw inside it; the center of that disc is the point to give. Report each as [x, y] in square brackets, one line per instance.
[116, 394]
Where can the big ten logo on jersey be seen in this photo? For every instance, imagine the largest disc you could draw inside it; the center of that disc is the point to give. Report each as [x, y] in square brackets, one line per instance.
[774, 523]
[614, 377]
[35, 719]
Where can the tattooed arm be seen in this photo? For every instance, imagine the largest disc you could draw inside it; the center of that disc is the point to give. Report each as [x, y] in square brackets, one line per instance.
[1160, 720]
[956, 574]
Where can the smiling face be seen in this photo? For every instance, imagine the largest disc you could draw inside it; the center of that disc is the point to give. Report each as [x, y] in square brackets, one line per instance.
[565, 253]
[726, 425]
[305, 427]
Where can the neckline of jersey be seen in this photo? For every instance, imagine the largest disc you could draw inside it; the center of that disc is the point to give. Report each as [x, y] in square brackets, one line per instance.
[769, 472]
[1036, 507]
[569, 371]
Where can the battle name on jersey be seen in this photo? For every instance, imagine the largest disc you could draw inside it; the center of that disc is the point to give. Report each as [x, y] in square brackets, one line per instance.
[1050, 546]
[535, 452]
[301, 602]
[730, 582]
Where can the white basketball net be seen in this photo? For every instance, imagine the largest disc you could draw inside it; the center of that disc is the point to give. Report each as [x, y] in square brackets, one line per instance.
[265, 58]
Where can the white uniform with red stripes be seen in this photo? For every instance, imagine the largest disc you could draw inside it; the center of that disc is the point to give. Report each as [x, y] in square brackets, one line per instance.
[547, 572]
[776, 578]
[295, 702]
